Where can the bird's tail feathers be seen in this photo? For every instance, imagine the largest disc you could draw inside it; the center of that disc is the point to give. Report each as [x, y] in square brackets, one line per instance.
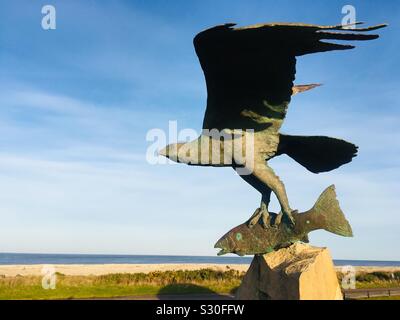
[317, 153]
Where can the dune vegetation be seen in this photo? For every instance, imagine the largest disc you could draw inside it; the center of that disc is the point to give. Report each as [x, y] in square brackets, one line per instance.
[378, 279]
[114, 285]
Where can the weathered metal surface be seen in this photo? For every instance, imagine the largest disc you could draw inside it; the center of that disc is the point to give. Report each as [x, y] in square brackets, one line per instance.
[250, 73]
[326, 214]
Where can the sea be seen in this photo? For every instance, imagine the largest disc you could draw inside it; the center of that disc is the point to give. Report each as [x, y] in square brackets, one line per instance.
[35, 258]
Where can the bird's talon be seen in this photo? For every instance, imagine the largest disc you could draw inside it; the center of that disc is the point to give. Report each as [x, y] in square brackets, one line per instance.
[259, 216]
[265, 219]
[289, 218]
[278, 220]
[254, 218]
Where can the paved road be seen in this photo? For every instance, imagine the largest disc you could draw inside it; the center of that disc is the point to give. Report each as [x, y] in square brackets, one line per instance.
[175, 297]
[369, 293]
[349, 294]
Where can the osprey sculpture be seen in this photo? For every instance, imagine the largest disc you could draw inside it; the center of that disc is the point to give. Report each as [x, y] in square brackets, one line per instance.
[249, 73]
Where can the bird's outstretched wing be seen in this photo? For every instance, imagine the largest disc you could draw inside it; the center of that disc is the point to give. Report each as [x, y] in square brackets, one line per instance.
[250, 70]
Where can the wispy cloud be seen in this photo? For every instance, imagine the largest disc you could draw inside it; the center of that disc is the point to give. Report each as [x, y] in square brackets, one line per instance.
[76, 105]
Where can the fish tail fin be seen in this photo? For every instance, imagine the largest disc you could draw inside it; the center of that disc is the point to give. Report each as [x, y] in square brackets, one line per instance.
[330, 215]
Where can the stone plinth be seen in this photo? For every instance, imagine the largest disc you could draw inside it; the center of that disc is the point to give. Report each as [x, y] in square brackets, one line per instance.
[299, 272]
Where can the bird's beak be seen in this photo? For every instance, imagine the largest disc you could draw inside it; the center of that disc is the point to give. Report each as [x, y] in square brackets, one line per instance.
[163, 152]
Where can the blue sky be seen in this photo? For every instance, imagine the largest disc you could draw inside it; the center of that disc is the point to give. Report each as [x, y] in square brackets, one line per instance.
[76, 104]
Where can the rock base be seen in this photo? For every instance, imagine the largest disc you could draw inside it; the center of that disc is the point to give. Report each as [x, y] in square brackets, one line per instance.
[299, 272]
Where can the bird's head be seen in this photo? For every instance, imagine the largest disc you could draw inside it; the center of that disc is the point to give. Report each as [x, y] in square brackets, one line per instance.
[171, 151]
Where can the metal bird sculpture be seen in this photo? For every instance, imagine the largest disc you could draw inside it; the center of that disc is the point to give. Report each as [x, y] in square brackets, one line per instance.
[249, 72]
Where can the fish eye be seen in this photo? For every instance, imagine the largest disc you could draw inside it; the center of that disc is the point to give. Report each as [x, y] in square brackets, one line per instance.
[239, 236]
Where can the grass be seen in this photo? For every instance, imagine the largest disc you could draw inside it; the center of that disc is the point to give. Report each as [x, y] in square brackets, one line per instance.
[154, 283]
[117, 285]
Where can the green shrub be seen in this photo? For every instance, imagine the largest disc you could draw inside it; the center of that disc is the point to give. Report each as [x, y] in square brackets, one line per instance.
[365, 277]
[382, 275]
[378, 276]
[171, 277]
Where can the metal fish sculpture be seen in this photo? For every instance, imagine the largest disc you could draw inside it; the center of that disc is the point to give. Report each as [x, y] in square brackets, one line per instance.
[325, 214]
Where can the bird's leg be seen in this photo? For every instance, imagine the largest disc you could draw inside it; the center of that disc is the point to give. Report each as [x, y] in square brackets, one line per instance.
[261, 214]
[268, 176]
[266, 181]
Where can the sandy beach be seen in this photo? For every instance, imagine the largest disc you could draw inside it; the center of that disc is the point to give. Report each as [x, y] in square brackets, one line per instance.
[101, 269]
